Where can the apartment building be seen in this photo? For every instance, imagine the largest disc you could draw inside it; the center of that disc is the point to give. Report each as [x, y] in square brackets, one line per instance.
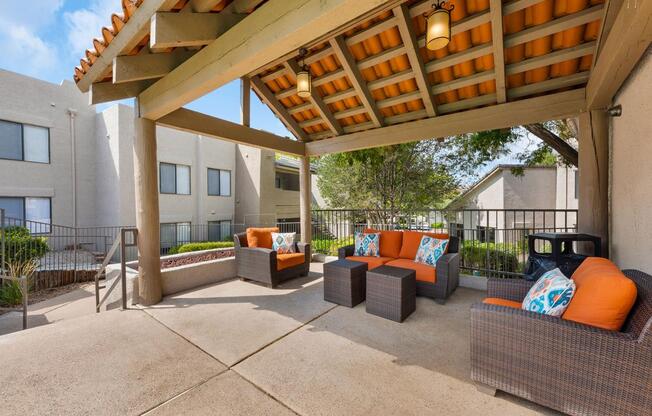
[64, 163]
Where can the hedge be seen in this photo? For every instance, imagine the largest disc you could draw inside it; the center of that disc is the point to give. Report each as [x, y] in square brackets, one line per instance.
[190, 247]
[492, 256]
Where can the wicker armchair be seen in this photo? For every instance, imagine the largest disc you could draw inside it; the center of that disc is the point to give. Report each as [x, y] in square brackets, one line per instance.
[565, 365]
[260, 264]
[448, 272]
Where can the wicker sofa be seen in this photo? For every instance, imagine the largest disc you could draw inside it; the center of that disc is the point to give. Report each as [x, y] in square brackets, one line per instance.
[440, 281]
[568, 366]
[264, 265]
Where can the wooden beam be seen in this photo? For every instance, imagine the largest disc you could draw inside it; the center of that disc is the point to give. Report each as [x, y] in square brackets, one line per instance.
[355, 78]
[464, 82]
[245, 101]
[549, 85]
[410, 41]
[459, 57]
[318, 103]
[205, 125]
[534, 110]
[172, 30]
[103, 92]
[238, 6]
[496, 9]
[275, 29]
[551, 58]
[627, 41]
[129, 68]
[132, 33]
[281, 112]
[611, 10]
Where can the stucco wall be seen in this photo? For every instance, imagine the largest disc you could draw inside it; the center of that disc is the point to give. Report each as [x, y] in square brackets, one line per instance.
[631, 171]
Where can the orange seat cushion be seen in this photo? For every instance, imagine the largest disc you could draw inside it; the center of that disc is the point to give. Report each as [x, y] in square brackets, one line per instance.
[503, 302]
[425, 272]
[372, 262]
[284, 261]
[411, 241]
[603, 295]
[390, 242]
[260, 237]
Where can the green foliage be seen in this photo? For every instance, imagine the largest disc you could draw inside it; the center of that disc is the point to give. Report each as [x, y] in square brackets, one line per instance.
[189, 247]
[10, 293]
[492, 256]
[329, 246]
[438, 225]
[395, 178]
[21, 246]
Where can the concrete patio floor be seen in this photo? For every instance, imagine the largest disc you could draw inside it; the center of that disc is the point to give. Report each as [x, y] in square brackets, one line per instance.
[241, 348]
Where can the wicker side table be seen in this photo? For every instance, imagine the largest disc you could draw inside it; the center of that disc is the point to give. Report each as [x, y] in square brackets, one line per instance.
[391, 292]
[344, 282]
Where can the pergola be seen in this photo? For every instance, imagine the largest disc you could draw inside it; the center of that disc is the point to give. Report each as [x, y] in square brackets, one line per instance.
[374, 83]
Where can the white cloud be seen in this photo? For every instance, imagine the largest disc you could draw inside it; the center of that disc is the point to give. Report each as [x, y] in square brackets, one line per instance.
[37, 15]
[85, 24]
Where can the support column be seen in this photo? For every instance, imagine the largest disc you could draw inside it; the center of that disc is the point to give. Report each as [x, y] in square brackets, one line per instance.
[305, 199]
[594, 175]
[147, 210]
[245, 101]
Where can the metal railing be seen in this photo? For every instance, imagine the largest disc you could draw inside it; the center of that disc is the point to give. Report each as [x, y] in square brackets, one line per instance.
[123, 242]
[493, 242]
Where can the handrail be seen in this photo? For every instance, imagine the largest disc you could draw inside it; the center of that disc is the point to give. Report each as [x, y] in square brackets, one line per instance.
[120, 241]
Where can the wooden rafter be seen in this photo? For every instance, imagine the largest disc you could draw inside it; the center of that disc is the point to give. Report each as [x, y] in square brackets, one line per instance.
[355, 77]
[281, 112]
[128, 68]
[103, 92]
[406, 30]
[317, 102]
[170, 30]
[496, 10]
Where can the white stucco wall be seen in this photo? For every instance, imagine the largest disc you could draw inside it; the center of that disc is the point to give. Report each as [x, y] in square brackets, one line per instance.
[631, 171]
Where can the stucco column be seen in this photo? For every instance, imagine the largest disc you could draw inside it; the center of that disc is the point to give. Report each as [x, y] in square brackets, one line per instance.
[305, 199]
[147, 210]
[594, 176]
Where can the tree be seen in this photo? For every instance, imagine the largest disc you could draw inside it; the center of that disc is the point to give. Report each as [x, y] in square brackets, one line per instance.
[387, 179]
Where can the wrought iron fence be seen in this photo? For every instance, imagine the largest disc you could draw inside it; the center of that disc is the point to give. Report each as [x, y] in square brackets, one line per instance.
[493, 242]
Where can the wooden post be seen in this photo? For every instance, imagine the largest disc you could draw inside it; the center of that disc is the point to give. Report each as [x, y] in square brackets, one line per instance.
[594, 176]
[147, 210]
[245, 101]
[305, 199]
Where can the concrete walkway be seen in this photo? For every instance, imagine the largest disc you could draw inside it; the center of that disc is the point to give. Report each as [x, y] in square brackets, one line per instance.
[241, 348]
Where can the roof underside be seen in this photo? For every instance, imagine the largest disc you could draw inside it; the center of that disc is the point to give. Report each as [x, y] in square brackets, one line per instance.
[378, 73]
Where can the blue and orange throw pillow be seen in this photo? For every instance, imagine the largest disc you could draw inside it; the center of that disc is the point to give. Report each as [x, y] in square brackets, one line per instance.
[283, 243]
[550, 295]
[430, 250]
[367, 244]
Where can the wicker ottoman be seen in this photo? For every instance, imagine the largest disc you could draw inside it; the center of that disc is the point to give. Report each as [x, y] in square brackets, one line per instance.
[344, 282]
[391, 292]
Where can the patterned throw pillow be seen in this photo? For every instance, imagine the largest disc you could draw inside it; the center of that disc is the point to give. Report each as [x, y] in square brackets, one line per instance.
[367, 244]
[550, 295]
[283, 243]
[430, 250]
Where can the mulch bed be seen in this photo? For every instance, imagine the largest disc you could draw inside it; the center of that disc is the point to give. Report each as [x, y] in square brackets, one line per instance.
[168, 263]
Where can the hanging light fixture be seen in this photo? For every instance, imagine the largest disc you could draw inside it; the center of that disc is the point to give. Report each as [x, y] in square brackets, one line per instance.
[304, 79]
[438, 25]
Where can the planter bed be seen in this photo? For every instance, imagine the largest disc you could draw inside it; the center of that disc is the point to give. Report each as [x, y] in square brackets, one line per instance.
[195, 257]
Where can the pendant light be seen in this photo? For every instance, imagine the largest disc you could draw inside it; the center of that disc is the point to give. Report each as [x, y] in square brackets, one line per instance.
[304, 79]
[438, 26]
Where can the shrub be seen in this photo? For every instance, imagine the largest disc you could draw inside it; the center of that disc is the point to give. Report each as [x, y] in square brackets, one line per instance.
[10, 293]
[21, 246]
[189, 247]
[329, 246]
[492, 256]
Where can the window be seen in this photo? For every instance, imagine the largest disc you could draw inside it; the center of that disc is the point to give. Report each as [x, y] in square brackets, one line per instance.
[174, 234]
[174, 179]
[219, 182]
[287, 181]
[24, 142]
[219, 230]
[37, 211]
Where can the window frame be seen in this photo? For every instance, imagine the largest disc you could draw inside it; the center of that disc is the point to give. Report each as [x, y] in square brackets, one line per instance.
[218, 224]
[219, 182]
[176, 234]
[176, 178]
[22, 140]
[24, 215]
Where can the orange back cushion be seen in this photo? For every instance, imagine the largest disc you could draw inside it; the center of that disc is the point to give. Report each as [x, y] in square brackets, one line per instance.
[390, 242]
[411, 241]
[603, 297]
[260, 237]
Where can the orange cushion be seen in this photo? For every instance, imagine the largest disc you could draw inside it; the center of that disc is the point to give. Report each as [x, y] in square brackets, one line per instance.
[260, 237]
[372, 262]
[503, 302]
[390, 242]
[284, 261]
[603, 295]
[411, 241]
[425, 273]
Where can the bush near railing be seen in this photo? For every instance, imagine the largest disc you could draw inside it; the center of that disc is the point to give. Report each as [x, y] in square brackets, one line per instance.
[499, 257]
[21, 246]
[190, 247]
[329, 246]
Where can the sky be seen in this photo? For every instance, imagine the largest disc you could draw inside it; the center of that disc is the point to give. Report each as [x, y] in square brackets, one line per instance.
[47, 39]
